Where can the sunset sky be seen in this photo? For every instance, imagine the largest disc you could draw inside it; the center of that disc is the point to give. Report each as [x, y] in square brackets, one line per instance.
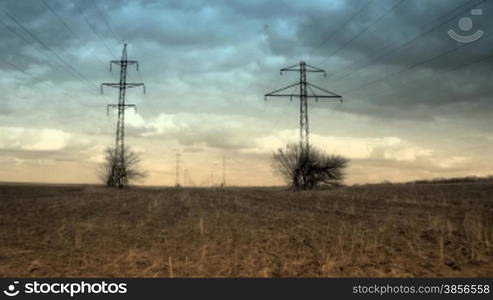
[417, 103]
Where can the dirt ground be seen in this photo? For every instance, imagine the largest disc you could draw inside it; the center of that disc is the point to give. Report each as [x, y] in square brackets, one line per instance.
[388, 230]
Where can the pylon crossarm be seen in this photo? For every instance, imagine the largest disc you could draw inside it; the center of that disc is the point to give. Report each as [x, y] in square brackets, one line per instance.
[283, 95]
[113, 85]
[313, 69]
[132, 85]
[274, 93]
[126, 85]
[120, 62]
[290, 68]
[314, 95]
[131, 105]
[323, 96]
[333, 95]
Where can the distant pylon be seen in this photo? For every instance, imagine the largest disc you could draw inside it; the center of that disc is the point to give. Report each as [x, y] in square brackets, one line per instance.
[303, 68]
[177, 170]
[185, 177]
[190, 181]
[224, 172]
[118, 176]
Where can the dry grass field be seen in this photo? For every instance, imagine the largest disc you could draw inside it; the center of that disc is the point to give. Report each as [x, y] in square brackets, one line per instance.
[428, 230]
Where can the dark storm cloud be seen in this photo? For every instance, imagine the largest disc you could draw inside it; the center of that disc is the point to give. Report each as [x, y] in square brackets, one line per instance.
[400, 25]
[214, 24]
[392, 57]
[220, 57]
[390, 67]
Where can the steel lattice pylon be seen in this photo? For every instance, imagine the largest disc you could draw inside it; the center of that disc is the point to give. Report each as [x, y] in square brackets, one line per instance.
[118, 175]
[303, 69]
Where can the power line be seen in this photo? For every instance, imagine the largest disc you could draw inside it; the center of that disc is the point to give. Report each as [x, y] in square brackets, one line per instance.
[35, 46]
[451, 69]
[410, 41]
[84, 42]
[417, 64]
[48, 84]
[30, 43]
[18, 68]
[57, 65]
[40, 50]
[334, 32]
[63, 61]
[283, 111]
[79, 10]
[122, 37]
[67, 27]
[61, 20]
[107, 23]
[344, 45]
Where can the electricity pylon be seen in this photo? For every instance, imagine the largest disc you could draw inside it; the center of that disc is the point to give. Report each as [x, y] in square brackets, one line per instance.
[177, 170]
[118, 176]
[185, 178]
[303, 68]
[223, 184]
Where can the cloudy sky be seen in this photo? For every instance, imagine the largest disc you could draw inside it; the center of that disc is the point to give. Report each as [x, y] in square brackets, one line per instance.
[417, 103]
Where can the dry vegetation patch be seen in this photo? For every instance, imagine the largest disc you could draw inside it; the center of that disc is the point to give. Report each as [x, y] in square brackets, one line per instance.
[377, 230]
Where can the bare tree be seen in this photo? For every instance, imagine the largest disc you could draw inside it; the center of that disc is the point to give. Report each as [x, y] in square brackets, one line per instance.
[131, 167]
[310, 168]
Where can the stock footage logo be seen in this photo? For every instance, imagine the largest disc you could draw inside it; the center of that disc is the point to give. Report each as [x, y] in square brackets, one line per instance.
[64, 287]
[11, 290]
[465, 24]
